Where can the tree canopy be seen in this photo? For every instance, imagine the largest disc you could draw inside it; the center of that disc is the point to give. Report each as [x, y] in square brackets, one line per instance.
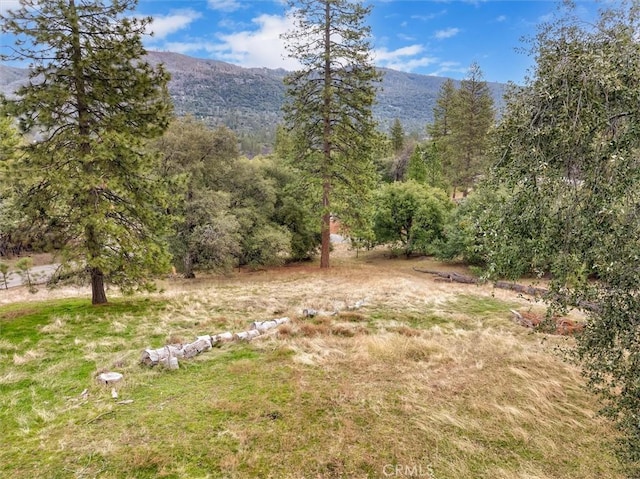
[569, 164]
[90, 103]
[329, 103]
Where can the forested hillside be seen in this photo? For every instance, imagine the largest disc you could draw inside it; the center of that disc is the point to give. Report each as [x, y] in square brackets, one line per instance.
[249, 99]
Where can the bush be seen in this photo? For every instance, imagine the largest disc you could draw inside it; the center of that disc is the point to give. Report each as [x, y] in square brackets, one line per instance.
[411, 216]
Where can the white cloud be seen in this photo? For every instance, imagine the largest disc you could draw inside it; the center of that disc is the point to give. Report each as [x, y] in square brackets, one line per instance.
[404, 59]
[187, 47]
[431, 16]
[446, 33]
[261, 47]
[164, 25]
[383, 54]
[257, 47]
[224, 5]
[448, 68]
[501, 18]
[406, 38]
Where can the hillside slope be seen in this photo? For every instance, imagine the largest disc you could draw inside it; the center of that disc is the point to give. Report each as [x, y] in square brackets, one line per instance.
[250, 99]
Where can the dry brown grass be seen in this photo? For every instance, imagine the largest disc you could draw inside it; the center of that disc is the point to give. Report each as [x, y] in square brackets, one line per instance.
[427, 375]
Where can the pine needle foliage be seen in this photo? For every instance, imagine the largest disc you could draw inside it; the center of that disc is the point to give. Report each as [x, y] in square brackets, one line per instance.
[90, 103]
[329, 101]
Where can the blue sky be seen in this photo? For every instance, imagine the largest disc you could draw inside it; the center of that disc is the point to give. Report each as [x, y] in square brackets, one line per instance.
[433, 37]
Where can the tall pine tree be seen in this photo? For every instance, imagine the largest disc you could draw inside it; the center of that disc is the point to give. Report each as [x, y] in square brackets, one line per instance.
[329, 104]
[90, 103]
[397, 136]
[440, 130]
[471, 118]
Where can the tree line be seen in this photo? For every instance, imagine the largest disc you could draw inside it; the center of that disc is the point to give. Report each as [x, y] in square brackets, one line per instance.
[96, 168]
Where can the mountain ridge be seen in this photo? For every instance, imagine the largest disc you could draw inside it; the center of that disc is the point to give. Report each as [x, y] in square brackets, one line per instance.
[249, 100]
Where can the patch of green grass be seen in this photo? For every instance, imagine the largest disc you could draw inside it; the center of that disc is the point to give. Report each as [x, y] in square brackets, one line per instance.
[478, 305]
[415, 319]
[445, 401]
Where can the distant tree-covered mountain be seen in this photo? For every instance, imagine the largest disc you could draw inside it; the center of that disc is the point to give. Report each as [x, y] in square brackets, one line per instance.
[248, 100]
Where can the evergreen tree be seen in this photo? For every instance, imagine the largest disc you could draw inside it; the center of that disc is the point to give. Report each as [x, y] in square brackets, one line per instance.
[9, 219]
[417, 168]
[441, 126]
[397, 136]
[329, 103]
[425, 165]
[439, 131]
[91, 102]
[471, 118]
[9, 140]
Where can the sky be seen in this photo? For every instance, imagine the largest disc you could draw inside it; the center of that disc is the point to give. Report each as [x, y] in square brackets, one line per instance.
[431, 37]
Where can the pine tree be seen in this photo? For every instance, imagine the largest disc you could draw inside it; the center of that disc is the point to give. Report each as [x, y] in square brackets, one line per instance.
[440, 130]
[91, 101]
[397, 136]
[329, 103]
[441, 126]
[471, 118]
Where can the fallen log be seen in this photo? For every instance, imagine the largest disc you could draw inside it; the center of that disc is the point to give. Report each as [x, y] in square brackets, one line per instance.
[450, 276]
[530, 290]
[461, 278]
[151, 357]
[168, 355]
[247, 335]
[198, 346]
[519, 288]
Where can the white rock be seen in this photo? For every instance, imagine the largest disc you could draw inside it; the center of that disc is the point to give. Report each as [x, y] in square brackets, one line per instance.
[109, 378]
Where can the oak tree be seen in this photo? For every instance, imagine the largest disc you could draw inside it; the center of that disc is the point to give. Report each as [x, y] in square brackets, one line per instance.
[569, 161]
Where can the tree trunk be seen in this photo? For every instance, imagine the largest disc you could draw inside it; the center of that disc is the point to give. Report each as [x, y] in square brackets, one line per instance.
[326, 140]
[98, 295]
[188, 266]
[326, 234]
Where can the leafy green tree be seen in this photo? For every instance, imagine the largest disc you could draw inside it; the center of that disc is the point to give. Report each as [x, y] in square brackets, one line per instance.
[425, 165]
[293, 208]
[253, 199]
[4, 270]
[469, 232]
[329, 102]
[410, 216]
[195, 160]
[470, 120]
[569, 160]
[92, 101]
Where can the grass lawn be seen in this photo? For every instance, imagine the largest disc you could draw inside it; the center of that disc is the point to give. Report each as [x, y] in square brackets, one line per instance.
[428, 379]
